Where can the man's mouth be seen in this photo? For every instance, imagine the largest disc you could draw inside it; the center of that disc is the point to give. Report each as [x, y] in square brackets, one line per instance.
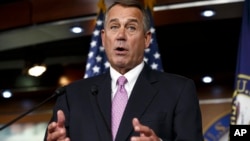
[120, 49]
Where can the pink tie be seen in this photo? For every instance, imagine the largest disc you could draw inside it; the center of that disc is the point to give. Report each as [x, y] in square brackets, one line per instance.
[118, 105]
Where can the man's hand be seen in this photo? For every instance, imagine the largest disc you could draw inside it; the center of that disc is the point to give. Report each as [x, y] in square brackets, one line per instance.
[56, 130]
[146, 134]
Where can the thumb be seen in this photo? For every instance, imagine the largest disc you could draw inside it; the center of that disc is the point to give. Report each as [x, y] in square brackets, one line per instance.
[60, 119]
[136, 124]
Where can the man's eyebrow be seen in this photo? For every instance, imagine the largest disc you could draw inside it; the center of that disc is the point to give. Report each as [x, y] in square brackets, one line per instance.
[133, 20]
[129, 20]
[113, 20]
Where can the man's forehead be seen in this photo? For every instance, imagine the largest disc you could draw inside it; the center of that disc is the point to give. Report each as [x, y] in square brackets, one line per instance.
[123, 19]
[121, 13]
[124, 10]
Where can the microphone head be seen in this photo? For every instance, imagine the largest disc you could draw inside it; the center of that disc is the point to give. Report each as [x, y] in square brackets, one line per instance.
[94, 90]
[60, 91]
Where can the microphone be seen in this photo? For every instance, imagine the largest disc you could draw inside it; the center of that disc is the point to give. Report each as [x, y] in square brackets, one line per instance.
[94, 90]
[57, 92]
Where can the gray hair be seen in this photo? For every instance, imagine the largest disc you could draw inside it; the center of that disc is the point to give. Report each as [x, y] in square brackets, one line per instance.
[132, 3]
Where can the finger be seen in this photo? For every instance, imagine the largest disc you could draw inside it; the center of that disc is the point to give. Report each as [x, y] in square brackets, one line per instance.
[67, 139]
[52, 127]
[136, 124]
[144, 130]
[140, 139]
[60, 119]
[59, 134]
[56, 130]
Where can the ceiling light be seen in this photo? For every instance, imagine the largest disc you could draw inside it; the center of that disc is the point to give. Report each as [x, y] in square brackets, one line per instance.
[76, 29]
[6, 94]
[37, 70]
[207, 13]
[207, 79]
[64, 80]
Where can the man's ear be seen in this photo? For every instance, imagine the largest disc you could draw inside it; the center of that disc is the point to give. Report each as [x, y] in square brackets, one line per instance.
[102, 36]
[148, 37]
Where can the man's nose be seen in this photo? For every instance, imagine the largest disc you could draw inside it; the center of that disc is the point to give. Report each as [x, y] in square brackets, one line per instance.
[122, 33]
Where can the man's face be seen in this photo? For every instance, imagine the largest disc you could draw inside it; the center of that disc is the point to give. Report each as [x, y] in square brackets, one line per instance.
[123, 38]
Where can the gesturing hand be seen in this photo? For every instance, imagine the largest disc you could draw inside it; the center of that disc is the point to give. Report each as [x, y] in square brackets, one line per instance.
[57, 130]
[146, 134]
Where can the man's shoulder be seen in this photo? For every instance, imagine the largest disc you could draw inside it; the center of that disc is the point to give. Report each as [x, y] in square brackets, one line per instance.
[163, 75]
[170, 76]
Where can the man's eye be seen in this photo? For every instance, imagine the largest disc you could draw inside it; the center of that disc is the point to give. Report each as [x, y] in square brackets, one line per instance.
[114, 27]
[131, 28]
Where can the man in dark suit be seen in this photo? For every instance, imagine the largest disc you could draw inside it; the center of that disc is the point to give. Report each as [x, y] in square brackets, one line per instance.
[160, 106]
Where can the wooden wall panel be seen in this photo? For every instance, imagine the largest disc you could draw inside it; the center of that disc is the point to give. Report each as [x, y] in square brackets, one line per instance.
[212, 112]
[48, 10]
[15, 14]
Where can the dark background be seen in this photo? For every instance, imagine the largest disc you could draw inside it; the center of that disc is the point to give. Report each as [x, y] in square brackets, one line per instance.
[38, 31]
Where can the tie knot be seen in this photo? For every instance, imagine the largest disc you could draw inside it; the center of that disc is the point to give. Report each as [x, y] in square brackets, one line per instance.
[121, 80]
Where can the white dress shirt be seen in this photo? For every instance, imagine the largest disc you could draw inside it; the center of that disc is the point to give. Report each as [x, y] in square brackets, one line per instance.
[131, 76]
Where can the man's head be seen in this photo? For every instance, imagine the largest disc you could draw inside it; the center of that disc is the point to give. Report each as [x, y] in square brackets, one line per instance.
[136, 4]
[126, 34]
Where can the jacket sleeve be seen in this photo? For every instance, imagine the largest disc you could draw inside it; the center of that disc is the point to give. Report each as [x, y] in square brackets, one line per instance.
[188, 121]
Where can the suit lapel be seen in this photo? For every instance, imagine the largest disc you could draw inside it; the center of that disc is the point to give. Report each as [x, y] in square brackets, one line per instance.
[142, 95]
[102, 107]
[104, 99]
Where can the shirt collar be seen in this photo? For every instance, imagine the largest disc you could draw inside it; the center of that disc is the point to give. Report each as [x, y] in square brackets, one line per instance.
[131, 75]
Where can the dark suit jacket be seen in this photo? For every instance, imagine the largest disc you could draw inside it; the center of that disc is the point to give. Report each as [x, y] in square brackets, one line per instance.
[165, 102]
